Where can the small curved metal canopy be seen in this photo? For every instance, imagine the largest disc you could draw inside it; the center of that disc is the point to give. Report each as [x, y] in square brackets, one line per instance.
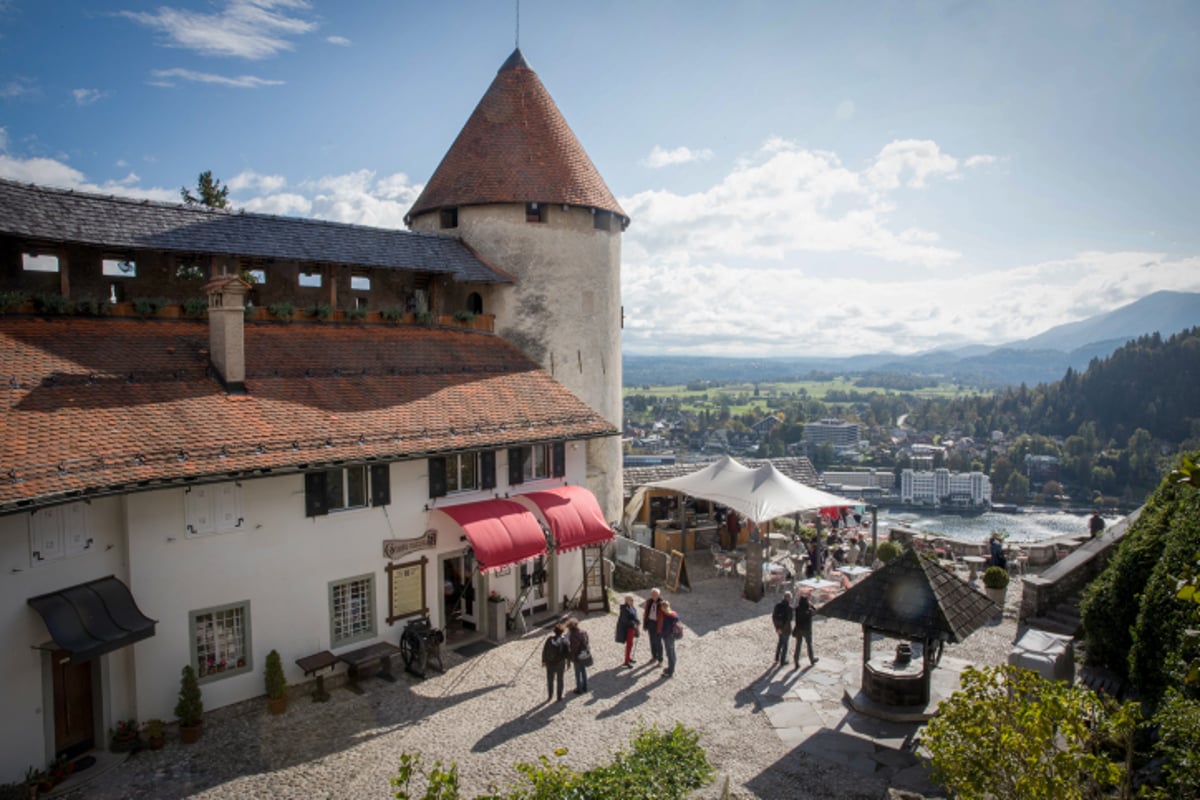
[93, 618]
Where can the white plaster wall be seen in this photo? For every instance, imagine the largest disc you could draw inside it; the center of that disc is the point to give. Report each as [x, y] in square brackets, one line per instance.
[564, 310]
[26, 727]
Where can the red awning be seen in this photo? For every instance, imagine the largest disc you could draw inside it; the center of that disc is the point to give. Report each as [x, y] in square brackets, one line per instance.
[501, 532]
[573, 515]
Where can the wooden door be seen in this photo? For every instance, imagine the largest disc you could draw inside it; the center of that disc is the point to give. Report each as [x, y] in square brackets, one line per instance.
[74, 731]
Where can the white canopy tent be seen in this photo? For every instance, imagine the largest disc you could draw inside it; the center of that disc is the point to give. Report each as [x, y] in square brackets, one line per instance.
[759, 495]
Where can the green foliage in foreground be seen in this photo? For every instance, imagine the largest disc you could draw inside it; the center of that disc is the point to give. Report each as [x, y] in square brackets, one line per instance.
[660, 765]
[1009, 733]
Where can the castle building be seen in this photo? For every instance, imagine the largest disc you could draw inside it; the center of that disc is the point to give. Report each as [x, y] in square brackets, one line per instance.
[227, 433]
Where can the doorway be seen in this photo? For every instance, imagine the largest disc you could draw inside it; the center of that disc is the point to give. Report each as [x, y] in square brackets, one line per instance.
[534, 585]
[459, 592]
[74, 721]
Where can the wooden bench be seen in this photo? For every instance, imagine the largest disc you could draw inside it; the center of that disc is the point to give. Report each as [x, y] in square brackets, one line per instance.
[357, 659]
[312, 665]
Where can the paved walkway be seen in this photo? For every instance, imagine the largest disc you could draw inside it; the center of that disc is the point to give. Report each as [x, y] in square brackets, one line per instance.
[775, 733]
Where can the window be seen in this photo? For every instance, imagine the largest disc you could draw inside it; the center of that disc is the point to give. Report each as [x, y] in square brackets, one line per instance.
[475, 303]
[351, 610]
[536, 462]
[221, 640]
[449, 217]
[259, 276]
[118, 267]
[212, 509]
[462, 472]
[345, 488]
[602, 220]
[360, 303]
[310, 279]
[360, 283]
[36, 263]
[535, 212]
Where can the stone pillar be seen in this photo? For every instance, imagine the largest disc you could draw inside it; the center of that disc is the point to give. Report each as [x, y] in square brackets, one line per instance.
[226, 330]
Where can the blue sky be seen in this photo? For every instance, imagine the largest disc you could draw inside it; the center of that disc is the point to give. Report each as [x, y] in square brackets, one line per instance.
[803, 178]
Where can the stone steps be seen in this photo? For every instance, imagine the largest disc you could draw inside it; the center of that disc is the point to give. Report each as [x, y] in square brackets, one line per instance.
[1063, 618]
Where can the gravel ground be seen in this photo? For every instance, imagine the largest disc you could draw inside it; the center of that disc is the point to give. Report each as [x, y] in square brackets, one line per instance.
[488, 712]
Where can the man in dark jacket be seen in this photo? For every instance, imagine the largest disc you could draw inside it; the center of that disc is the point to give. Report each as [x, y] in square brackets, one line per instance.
[781, 616]
[652, 624]
[554, 659]
[803, 632]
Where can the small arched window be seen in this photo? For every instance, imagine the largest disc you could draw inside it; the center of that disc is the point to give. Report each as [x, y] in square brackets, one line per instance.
[475, 303]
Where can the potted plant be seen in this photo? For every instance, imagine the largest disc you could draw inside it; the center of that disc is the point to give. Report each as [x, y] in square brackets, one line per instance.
[995, 582]
[190, 709]
[124, 737]
[156, 734]
[276, 684]
[887, 551]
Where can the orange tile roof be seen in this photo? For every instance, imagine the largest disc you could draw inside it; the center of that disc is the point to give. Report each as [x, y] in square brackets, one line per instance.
[108, 405]
[516, 148]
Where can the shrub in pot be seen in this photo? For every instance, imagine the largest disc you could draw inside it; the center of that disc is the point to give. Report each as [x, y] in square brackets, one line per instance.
[156, 734]
[124, 737]
[190, 709]
[888, 551]
[995, 581]
[276, 684]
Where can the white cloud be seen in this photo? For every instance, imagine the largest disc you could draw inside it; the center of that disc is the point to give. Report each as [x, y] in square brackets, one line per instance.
[340, 41]
[85, 97]
[845, 110]
[979, 161]
[18, 87]
[283, 204]
[166, 79]
[919, 159]
[660, 157]
[249, 179]
[252, 29]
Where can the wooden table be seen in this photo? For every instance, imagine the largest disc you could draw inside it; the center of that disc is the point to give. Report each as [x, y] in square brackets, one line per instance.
[357, 659]
[312, 665]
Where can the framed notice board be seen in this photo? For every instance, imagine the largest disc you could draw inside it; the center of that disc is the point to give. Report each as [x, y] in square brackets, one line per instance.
[677, 572]
[406, 590]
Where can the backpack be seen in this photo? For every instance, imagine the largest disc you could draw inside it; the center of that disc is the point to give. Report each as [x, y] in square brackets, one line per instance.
[554, 651]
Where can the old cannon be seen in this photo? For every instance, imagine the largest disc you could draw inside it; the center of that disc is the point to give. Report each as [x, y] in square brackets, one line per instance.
[419, 643]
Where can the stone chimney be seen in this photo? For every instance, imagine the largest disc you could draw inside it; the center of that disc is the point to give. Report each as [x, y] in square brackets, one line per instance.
[226, 330]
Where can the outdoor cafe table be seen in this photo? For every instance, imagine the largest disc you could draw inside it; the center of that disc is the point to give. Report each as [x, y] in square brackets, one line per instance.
[974, 563]
[818, 584]
[854, 572]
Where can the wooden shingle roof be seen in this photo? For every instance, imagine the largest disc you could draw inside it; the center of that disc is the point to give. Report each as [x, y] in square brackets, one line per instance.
[94, 406]
[40, 213]
[516, 147]
[914, 597]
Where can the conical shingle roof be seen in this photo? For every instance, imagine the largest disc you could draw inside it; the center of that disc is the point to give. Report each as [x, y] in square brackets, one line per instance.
[915, 598]
[516, 148]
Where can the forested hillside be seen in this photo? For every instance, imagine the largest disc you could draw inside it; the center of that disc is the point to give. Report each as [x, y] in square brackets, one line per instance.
[1151, 383]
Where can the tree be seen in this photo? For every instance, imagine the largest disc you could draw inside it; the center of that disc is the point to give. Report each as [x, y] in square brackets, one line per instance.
[211, 192]
[1009, 733]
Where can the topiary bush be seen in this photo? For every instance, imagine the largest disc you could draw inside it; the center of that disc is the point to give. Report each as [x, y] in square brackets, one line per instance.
[995, 578]
[273, 676]
[190, 709]
[888, 551]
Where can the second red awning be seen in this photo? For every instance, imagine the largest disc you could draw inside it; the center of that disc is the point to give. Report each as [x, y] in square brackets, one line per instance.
[574, 516]
[501, 532]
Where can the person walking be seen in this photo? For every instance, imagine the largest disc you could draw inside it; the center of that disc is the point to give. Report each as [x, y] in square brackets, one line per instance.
[803, 631]
[554, 659]
[579, 653]
[668, 619]
[650, 622]
[627, 628]
[781, 616]
[1096, 524]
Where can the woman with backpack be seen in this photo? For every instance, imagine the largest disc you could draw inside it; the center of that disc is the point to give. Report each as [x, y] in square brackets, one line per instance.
[579, 653]
[671, 629]
[554, 659]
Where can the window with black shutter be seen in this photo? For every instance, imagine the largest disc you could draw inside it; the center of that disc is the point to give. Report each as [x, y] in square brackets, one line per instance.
[437, 477]
[381, 485]
[487, 469]
[516, 472]
[315, 501]
[558, 467]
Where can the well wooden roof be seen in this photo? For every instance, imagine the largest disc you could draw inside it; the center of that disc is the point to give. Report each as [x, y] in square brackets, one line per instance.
[95, 406]
[914, 597]
[516, 147]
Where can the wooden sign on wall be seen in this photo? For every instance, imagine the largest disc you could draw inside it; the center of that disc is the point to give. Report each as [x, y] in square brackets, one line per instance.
[406, 590]
[394, 548]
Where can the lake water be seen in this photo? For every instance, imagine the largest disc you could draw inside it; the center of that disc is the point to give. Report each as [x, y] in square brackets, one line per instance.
[1033, 525]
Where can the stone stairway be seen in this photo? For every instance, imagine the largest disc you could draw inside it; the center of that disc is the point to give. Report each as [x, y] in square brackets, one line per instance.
[1063, 618]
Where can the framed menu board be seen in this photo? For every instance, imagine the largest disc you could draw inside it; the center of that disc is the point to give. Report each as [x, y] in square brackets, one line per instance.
[406, 590]
[677, 572]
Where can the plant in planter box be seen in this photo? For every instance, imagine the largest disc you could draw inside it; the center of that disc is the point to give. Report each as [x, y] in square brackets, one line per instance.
[156, 733]
[284, 311]
[51, 304]
[393, 314]
[91, 306]
[465, 317]
[190, 709]
[148, 306]
[426, 318]
[124, 737]
[356, 313]
[319, 310]
[195, 306]
[276, 683]
[11, 300]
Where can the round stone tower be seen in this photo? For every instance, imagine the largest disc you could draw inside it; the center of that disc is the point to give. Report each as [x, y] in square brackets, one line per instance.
[518, 188]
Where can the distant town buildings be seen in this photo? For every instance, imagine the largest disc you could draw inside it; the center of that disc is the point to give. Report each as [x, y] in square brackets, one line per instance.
[835, 432]
[943, 488]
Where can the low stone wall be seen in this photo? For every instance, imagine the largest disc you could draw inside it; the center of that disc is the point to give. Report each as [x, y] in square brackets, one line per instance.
[1067, 577]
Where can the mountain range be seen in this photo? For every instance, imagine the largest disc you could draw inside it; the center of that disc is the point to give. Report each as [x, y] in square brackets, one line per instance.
[1038, 359]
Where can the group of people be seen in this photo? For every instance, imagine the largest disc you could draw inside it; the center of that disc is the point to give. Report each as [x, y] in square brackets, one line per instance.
[568, 643]
[793, 619]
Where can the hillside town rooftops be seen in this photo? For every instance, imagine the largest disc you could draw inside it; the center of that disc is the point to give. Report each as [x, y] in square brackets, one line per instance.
[42, 214]
[144, 407]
